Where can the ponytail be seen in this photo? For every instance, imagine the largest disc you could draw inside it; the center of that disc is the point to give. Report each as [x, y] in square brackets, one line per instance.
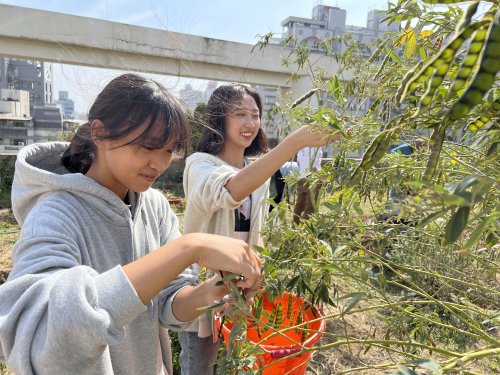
[81, 152]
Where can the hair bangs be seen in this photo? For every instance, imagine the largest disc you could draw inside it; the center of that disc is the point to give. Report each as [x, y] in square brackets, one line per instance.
[163, 124]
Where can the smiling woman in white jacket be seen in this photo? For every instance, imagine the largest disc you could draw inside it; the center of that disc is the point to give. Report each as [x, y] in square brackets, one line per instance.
[226, 194]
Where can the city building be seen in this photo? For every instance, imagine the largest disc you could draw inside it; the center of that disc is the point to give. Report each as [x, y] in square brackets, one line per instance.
[66, 104]
[47, 123]
[328, 22]
[3, 73]
[21, 125]
[16, 125]
[326, 25]
[271, 123]
[211, 86]
[27, 112]
[190, 96]
[32, 76]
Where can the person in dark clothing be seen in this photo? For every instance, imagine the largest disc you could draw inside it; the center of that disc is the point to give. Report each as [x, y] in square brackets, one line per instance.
[280, 183]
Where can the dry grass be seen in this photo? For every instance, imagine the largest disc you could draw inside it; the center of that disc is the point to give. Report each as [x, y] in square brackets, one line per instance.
[9, 233]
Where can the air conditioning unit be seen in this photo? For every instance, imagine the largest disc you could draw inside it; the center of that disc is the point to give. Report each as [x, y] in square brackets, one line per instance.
[20, 143]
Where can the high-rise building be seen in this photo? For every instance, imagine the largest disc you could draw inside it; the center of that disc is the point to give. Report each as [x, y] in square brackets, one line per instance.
[190, 96]
[3, 73]
[327, 23]
[211, 86]
[47, 122]
[16, 125]
[272, 124]
[32, 76]
[330, 21]
[27, 112]
[66, 104]
[375, 23]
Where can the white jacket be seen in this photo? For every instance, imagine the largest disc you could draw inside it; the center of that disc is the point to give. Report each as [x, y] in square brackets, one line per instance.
[210, 206]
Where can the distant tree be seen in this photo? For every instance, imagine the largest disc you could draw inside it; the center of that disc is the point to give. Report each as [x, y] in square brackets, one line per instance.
[6, 175]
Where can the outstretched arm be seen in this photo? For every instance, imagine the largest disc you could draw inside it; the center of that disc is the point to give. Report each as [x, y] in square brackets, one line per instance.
[255, 174]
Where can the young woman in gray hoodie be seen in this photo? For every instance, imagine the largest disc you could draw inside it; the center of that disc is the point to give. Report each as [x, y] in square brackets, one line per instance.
[100, 269]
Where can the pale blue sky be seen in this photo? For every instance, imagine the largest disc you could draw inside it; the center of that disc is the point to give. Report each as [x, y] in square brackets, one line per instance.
[238, 21]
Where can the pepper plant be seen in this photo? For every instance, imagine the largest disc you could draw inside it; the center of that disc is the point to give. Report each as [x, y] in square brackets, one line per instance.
[426, 265]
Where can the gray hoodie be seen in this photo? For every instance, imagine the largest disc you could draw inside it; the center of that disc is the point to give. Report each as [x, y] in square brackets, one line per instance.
[67, 306]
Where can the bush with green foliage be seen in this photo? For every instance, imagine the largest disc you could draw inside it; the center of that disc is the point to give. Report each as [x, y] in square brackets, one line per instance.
[6, 175]
[429, 270]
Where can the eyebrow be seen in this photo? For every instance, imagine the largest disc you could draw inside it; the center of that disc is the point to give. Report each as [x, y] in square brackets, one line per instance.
[255, 110]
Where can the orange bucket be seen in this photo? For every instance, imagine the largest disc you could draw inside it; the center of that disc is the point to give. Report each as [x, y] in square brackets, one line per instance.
[291, 341]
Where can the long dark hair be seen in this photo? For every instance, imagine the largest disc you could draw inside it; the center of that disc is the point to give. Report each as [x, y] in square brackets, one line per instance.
[126, 102]
[220, 103]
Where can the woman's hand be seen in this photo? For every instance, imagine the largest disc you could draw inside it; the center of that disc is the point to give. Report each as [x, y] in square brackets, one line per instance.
[309, 137]
[222, 296]
[215, 290]
[230, 255]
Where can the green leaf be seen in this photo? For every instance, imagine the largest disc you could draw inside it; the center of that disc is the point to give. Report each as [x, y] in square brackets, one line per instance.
[492, 149]
[453, 200]
[324, 293]
[427, 364]
[403, 370]
[483, 186]
[326, 246]
[336, 89]
[355, 298]
[469, 181]
[395, 57]
[479, 230]
[436, 215]
[339, 249]
[422, 53]
[456, 225]
[467, 196]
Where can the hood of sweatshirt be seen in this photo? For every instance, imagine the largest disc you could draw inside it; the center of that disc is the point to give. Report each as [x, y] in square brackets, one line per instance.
[39, 172]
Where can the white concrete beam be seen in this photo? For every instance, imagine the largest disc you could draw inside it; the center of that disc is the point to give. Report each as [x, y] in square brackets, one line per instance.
[49, 36]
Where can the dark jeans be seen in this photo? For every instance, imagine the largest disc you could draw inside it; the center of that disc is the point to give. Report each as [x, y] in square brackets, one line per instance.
[198, 355]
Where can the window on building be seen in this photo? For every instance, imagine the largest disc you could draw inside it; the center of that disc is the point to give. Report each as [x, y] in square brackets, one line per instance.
[268, 99]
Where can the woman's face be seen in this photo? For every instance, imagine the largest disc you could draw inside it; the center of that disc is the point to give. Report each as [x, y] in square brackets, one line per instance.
[242, 124]
[131, 167]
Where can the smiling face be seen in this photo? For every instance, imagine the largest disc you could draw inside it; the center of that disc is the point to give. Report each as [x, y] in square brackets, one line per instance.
[242, 125]
[121, 166]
